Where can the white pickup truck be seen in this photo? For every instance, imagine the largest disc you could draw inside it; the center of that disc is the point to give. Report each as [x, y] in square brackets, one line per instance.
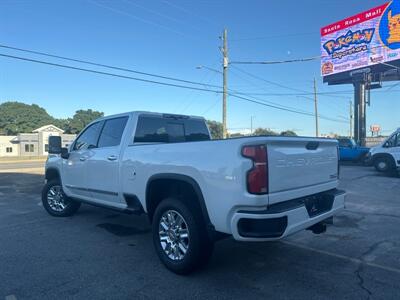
[194, 189]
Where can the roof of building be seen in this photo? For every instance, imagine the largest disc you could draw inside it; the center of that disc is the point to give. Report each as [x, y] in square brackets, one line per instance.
[49, 128]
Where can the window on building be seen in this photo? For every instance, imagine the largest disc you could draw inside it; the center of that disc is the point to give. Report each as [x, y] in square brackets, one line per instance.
[112, 132]
[29, 148]
[9, 149]
[46, 147]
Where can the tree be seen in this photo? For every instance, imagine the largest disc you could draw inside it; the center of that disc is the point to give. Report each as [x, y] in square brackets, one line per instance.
[288, 133]
[236, 134]
[81, 118]
[264, 131]
[64, 124]
[215, 129]
[16, 117]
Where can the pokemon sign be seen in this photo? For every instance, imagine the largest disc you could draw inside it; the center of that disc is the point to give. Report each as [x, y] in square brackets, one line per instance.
[366, 39]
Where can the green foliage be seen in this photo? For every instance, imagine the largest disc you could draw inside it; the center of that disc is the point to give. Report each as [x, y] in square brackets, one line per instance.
[264, 131]
[16, 117]
[81, 119]
[236, 134]
[215, 129]
[288, 133]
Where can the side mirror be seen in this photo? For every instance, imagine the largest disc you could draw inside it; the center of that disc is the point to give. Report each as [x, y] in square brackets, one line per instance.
[64, 153]
[55, 145]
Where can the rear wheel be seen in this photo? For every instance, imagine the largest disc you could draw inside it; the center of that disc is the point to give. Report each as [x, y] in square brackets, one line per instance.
[383, 164]
[180, 237]
[56, 202]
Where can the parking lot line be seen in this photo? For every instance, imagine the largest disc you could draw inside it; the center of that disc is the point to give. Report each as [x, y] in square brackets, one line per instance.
[344, 257]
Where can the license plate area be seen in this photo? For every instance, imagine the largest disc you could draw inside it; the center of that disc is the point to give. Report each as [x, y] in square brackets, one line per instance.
[318, 204]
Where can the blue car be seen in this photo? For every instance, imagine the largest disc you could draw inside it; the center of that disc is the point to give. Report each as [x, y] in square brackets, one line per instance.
[350, 151]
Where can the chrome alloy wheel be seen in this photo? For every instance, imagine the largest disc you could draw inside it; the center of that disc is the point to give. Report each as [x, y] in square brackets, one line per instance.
[174, 235]
[56, 198]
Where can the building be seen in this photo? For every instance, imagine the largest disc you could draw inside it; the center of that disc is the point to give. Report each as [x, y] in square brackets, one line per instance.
[32, 144]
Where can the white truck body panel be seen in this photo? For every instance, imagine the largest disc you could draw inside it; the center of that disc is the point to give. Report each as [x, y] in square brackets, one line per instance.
[217, 167]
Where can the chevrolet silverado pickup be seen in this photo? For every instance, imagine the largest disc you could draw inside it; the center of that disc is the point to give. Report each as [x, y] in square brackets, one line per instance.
[195, 190]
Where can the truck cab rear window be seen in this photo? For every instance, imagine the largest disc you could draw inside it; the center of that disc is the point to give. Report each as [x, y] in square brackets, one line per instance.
[163, 130]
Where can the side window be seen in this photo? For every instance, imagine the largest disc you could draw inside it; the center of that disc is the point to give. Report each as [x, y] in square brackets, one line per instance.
[164, 130]
[88, 138]
[344, 143]
[392, 141]
[112, 132]
[398, 140]
[151, 130]
[196, 130]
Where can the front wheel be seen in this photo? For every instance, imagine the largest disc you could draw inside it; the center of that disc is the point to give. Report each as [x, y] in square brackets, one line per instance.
[383, 164]
[180, 236]
[56, 202]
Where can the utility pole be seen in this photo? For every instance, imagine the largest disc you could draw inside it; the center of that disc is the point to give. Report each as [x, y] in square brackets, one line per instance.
[351, 119]
[251, 125]
[316, 109]
[225, 63]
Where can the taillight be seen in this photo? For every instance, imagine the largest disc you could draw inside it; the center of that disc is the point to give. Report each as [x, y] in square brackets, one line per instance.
[257, 177]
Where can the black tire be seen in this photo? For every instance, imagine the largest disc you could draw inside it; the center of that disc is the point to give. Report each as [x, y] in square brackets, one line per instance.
[383, 164]
[200, 246]
[70, 206]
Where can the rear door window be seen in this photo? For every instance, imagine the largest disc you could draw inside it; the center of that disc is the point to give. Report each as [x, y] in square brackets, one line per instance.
[151, 130]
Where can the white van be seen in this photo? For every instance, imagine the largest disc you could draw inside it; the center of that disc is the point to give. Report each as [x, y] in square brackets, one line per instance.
[386, 156]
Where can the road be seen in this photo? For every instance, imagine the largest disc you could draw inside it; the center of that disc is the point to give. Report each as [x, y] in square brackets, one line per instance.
[21, 165]
[100, 254]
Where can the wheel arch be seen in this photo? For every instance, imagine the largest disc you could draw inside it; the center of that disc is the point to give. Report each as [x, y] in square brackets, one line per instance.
[52, 173]
[383, 155]
[155, 193]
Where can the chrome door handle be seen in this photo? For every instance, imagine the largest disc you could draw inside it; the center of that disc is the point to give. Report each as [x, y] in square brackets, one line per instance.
[112, 157]
[82, 158]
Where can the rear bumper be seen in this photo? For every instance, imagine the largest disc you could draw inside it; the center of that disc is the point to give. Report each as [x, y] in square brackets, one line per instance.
[285, 218]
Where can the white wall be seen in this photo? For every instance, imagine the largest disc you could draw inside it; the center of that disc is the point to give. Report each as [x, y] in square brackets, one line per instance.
[5, 142]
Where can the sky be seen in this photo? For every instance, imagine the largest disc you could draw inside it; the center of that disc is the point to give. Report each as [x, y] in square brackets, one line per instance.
[173, 38]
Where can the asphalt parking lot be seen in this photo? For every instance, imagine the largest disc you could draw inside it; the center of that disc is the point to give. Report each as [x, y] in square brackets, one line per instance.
[100, 254]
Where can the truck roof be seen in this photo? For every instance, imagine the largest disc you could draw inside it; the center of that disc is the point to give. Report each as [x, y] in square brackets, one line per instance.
[138, 112]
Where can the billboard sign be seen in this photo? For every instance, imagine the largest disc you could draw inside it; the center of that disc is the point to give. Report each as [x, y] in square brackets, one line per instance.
[369, 38]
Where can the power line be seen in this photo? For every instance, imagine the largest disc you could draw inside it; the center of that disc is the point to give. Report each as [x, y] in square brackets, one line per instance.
[284, 109]
[278, 84]
[121, 12]
[274, 36]
[274, 62]
[109, 74]
[106, 66]
[160, 83]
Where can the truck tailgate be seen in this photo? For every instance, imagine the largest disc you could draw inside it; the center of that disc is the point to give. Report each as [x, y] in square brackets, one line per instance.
[298, 163]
